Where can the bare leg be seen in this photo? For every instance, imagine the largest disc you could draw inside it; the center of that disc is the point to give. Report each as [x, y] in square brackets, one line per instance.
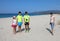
[25, 27]
[28, 27]
[19, 28]
[14, 30]
[52, 26]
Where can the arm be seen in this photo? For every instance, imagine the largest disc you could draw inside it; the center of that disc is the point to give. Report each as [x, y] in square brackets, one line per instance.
[29, 19]
[24, 19]
[54, 19]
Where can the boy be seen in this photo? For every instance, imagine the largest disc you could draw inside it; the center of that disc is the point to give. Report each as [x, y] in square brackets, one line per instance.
[19, 21]
[26, 21]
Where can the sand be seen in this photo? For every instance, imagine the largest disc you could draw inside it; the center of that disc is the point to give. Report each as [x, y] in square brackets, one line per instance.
[38, 31]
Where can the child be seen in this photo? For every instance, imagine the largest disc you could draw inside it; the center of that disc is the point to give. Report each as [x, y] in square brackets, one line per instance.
[14, 24]
[19, 21]
[26, 21]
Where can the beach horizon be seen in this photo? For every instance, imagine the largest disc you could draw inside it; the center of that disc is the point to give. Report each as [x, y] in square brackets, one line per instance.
[38, 31]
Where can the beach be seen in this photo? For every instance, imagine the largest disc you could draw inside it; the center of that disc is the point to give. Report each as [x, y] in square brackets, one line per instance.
[38, 29]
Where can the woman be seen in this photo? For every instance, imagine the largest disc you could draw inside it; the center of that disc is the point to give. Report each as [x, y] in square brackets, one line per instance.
[52, 21]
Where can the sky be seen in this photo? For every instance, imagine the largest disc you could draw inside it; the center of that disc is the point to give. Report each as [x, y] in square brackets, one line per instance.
[14, 6]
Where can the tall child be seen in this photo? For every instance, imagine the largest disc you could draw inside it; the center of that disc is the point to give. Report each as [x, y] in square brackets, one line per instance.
[19, 20]
[26, 21]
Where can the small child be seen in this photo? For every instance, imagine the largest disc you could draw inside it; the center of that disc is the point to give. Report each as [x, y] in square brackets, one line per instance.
[14, 24]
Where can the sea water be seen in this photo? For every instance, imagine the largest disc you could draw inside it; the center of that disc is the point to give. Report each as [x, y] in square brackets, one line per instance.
[4, 15]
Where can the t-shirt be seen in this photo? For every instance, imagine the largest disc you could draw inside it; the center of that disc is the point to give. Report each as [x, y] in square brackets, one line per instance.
[19, 18]
[27, 18]
[52, 19]
[14, 22]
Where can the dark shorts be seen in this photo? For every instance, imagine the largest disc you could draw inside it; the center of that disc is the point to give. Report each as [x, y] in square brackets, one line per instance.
[26, 23]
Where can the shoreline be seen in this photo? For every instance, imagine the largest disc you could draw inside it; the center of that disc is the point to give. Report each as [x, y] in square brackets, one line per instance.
[38, 32]
[30, 15]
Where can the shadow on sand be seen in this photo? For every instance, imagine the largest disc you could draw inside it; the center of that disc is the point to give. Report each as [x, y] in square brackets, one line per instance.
[23, 30]
[29, 29]
[49, 31]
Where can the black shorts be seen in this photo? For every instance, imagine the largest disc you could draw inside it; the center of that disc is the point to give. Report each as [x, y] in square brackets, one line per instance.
[26, 23]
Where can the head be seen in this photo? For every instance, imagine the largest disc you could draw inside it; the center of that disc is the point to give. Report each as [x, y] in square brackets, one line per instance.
[14, 17]
[26, 13]
[51, 14]
[19, 13]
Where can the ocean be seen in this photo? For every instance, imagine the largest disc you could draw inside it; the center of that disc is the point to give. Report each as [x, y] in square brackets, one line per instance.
[4, 15]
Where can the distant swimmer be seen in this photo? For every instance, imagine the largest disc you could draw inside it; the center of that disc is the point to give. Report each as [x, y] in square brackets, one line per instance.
[19, 20]
[26, 21]
[14, 24]
[52, 21]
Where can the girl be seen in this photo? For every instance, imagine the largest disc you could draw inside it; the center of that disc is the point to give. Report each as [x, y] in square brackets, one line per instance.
[14, 24]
